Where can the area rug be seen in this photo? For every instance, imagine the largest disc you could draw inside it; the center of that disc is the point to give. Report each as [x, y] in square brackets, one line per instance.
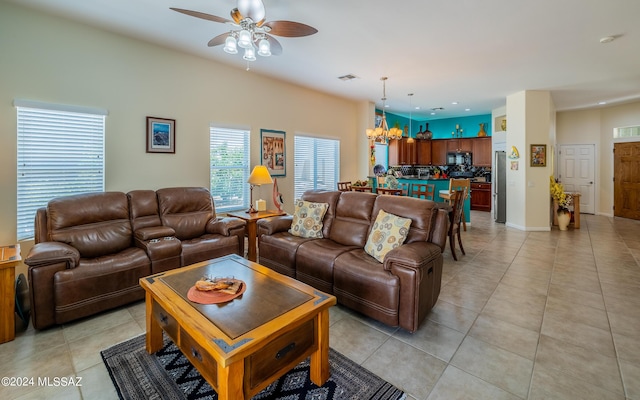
[167, 374]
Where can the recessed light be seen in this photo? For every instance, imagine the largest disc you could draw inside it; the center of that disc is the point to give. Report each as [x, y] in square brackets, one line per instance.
[607, 39]
[467, 109]
[433, 113]
[417, 108]
[602, 103]
[454, 103]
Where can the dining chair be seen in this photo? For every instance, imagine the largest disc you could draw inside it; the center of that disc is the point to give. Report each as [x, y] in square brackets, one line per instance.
[423, 191]
[456, 217]
[344, 186]
[404, 186]
[447, 195]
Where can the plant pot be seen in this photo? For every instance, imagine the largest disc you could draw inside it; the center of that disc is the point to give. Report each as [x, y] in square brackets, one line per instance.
[564, 217]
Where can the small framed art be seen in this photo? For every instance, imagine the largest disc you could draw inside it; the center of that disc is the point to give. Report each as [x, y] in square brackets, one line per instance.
[538, 155]
[161, 135]
[274, 156]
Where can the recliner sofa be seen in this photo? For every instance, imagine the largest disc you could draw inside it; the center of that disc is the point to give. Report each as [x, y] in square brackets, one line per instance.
[91, 249]
[399, 291]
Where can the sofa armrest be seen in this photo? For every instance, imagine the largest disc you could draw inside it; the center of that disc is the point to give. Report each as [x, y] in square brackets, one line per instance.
[225, 226]
[47, 253]
[272, 225]
[440, 229]
[154, 232]
[418, 266]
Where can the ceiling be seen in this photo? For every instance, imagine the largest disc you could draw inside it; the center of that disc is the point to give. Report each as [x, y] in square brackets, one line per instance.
[472, 52]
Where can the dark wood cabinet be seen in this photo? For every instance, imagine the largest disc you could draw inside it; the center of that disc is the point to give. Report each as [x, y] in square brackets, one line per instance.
[459, 145]
[439, 152]
[402, 152]
[481, 196]
[482, 152]
[424, 152]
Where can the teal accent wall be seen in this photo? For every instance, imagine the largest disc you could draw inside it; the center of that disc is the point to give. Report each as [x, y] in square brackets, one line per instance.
[442, 128]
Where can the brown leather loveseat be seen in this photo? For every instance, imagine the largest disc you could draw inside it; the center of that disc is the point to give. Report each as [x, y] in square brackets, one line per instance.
[400, 291]
[91, 249]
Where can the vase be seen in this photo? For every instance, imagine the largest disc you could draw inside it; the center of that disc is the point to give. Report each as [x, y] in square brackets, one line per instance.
[420, 135]
[427, 132]
[564, 217]
[482, 132]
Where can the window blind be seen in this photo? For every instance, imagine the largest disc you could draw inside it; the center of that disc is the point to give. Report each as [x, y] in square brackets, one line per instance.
[60, 153]
[229, 155]
[317, 164]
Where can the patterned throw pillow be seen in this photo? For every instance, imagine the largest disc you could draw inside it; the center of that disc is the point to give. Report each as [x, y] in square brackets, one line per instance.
[307, 219]
[389, 231]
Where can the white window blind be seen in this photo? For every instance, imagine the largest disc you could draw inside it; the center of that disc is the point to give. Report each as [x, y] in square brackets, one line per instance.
[317, 164]
[60, 153]
[229, 154]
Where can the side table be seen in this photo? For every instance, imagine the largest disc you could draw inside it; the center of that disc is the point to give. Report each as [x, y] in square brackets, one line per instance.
[9, 258]
[252, 227]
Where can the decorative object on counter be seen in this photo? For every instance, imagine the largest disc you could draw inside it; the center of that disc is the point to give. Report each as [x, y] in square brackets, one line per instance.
[538, 155]
[563, 200]
[482, 132]
[259, 176]
[457, 133]
[503, 125]
[382, 133]
[514, 154]
[379, 170]
[392, 182]
[427, 133]
[277, 196]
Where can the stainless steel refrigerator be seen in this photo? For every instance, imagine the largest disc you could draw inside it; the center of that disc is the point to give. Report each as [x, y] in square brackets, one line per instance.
[500, 187]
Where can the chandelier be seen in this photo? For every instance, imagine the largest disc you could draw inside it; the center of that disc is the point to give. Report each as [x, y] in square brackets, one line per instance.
[246, 38]
[382, 133]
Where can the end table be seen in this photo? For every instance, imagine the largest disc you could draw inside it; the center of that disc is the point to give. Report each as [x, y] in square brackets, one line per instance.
[252, 227]
[9, 258]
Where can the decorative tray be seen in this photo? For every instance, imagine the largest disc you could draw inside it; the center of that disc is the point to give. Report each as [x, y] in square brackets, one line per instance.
[216, 296]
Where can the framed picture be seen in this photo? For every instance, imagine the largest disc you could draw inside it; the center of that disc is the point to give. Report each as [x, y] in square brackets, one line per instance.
[538, 155]
[274, 156]
[161, 135]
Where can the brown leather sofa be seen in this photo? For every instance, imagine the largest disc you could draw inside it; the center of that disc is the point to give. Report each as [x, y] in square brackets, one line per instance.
[91, 249]
[398, 292]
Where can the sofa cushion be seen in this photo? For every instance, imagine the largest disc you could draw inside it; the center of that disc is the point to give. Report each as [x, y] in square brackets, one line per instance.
[353, 217]
[324, 196]
[186, 209]
[422, 213]
[307, 219]
[388, 232]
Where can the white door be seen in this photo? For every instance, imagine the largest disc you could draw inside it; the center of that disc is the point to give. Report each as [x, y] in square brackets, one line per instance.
[576, 172]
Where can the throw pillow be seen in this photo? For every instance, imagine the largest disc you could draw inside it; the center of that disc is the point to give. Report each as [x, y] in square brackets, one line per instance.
[388, 232]
[307, 219]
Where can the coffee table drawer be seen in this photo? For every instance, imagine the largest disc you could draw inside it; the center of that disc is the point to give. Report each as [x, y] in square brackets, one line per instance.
[280, 352]
[166, 321]
[202, 360]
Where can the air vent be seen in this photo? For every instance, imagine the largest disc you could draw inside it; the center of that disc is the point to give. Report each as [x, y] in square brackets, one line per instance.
[437, 109]
[347, 77]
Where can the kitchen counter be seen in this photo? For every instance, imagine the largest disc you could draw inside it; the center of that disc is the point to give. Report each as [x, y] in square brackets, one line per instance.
[440, 184]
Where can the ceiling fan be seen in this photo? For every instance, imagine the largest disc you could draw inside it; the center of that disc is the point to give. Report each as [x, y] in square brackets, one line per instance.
[250, 31]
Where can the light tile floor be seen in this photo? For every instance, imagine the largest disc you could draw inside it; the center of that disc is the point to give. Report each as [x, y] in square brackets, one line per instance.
[530, 315]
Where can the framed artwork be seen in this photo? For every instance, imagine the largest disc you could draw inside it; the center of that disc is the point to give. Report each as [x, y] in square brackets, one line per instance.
[538, 155]
[514, 165]
[274, 156]
[161, 135]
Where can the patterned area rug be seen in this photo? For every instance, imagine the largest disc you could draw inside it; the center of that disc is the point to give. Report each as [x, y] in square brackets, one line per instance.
[167, 374]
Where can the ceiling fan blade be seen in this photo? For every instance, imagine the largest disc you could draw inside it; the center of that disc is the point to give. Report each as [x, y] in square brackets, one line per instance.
[218, 40]
[289, 28]
[276, 47]
[202, 15]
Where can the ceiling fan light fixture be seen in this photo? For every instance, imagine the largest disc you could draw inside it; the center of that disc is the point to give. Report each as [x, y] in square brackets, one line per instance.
[264, 48]
[249, 54]
[230, 45]
[244, 39]
[253, 9]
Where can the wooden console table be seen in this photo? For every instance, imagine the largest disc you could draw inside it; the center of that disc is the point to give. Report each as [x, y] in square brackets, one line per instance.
[575, 200]
[252, 227]
[9, 258]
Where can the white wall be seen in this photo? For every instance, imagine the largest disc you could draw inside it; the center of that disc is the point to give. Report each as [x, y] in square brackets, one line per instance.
[55, 60]
[595, 126]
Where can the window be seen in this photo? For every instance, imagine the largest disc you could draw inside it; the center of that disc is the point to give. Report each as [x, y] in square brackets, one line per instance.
[317, 164]
[60, 153]
[229, 155]
[629, 131]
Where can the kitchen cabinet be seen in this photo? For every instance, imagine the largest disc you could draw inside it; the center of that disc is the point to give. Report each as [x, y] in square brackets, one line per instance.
[482, 152]
[481, 196]
[423, 152]
[402, 152]
[439, 152]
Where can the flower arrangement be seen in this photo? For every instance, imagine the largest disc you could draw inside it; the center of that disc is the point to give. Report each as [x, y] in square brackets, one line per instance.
[558, 194]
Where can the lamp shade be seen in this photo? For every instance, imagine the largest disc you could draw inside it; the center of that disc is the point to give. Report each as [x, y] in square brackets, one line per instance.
[260, 176]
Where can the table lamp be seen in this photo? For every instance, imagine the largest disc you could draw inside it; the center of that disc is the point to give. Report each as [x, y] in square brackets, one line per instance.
[259, 176]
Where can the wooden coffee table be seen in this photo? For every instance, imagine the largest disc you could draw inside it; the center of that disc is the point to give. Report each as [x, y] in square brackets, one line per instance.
[241, 346]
